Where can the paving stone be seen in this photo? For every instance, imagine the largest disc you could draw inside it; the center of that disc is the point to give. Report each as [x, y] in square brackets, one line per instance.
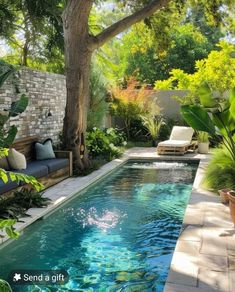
[212, 262]
[169, 287]
[193, 216]
[230, 237]
[213, 241]
[214, 280]
[183, 274]
[231, 262]
[188, 247]
[191, 233]
[231, 275]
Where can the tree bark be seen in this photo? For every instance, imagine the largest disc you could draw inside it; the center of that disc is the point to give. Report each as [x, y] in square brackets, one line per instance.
[79, 46]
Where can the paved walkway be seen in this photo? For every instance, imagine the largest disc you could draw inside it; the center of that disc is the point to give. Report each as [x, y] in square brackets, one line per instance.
[204, 257]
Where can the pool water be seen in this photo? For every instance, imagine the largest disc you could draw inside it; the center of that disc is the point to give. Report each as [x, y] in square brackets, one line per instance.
[118, 235]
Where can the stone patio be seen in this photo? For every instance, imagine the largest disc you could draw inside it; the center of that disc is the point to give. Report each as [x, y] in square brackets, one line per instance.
[204, 257]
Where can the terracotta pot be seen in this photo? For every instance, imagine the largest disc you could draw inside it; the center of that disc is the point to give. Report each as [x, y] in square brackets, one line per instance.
[231, 196]
[224, 195]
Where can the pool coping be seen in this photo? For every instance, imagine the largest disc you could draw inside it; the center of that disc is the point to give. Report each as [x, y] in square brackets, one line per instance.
[200, 248]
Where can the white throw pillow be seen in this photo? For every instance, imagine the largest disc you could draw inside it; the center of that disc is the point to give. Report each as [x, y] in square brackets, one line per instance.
[16, 159]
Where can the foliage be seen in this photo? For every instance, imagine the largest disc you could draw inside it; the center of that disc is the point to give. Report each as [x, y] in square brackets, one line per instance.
[220, 172]
[28, 198]
[7, 225]
[9, 209]
[14, 207]
[98, 105]
[4, 286]
[33, 31]
[215, 115]
[6, 139]
[105, 143]
[141, 58]
[202, 137]
[218, 70]
[153, 125]
[130, 102]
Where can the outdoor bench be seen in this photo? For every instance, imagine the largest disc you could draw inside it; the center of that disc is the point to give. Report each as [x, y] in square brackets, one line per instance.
[48, 172]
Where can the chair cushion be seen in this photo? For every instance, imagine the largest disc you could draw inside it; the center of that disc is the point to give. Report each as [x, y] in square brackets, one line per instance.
[174, 143]
[182, 133]
[10, 185]
[56, 163]
[44, 150]
[16, 159]
[37, 169]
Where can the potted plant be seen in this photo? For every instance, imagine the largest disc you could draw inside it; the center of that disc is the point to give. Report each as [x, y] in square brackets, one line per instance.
[203, 142]
[231, 196]
[224, 195]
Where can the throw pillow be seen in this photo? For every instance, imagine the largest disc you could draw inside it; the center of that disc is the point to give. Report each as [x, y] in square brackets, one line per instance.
[16, 159]
[4, 163]
[44, 150]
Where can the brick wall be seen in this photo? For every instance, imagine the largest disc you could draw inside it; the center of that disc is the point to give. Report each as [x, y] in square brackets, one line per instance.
[46, 92]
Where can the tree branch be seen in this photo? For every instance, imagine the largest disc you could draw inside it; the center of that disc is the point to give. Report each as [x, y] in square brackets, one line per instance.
[121, 25]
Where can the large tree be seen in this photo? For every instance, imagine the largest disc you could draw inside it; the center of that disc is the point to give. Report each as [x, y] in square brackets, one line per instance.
[79, 47]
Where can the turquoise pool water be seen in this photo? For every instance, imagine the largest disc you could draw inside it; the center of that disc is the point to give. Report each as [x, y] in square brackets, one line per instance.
[118, 235]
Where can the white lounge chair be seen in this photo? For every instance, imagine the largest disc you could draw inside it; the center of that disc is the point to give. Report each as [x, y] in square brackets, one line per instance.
[179, 142]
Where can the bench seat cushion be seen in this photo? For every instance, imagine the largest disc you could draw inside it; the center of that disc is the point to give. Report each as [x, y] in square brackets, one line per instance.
[37, 169]
[56, 163]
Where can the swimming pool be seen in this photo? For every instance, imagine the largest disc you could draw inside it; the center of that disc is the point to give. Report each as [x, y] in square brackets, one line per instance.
[118, 235]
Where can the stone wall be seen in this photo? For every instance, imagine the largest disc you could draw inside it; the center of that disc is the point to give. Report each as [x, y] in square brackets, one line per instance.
[47, 98]
[170, 107]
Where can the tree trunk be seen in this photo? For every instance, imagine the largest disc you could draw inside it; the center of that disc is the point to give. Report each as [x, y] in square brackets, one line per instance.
[24, 61]
[79, 46]
[77, 64]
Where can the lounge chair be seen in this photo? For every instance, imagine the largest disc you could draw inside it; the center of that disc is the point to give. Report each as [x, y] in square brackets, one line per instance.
[179, 142]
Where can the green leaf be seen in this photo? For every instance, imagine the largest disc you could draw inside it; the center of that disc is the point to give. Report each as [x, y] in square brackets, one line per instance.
[198, 118]
[232, 103]
[11, 136]
[8, 71]
[7, 222]
[206, 96]
[4, 286]
[19, 106]
[3, 176]
[224, 122]
[11, 232]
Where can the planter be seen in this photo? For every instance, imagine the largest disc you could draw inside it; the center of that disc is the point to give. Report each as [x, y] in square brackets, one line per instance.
[231, 196]
[203, 148]
[224, 195]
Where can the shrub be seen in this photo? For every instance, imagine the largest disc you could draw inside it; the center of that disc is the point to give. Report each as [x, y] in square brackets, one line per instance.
[104, 143]
[130, 102]
[153, 124]
[30, 199]
[220, 172]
